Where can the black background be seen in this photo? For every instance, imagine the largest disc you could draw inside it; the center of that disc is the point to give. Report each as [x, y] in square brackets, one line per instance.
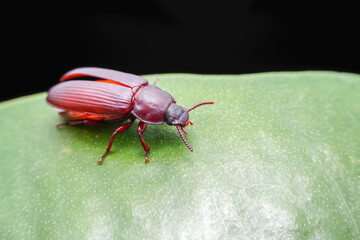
[41, 41]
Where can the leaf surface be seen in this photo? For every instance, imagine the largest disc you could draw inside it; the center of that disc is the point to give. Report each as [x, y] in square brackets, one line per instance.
[276, 157]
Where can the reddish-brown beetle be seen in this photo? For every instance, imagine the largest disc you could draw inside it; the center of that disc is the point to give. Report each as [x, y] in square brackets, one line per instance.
[114, 97]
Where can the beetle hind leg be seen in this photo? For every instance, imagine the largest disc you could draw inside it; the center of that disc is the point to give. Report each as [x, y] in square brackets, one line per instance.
[84, 121]
[141, 129]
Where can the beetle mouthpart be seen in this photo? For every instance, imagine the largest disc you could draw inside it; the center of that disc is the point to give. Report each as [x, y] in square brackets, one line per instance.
[183, 138]
[189, 123]
[182, 128]
[200, 104]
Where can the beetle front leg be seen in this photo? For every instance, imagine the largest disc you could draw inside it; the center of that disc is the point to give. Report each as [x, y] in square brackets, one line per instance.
[118, 130]
[141, 129]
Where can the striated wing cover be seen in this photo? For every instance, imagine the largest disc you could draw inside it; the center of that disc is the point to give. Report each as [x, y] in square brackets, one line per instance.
[122, 78]
[92, 97]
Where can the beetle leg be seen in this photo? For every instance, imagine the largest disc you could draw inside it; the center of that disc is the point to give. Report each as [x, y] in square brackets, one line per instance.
[141, 129]
[118, 130]
[84, 121]
[155, 81]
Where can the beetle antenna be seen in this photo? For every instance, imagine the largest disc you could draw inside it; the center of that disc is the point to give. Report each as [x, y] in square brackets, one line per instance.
[200, 104]
[183, 138]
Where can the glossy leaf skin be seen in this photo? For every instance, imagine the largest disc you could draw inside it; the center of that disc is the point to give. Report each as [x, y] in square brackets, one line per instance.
[91, 97]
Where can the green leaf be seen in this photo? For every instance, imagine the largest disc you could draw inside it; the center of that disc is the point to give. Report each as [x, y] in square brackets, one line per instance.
[276, 157]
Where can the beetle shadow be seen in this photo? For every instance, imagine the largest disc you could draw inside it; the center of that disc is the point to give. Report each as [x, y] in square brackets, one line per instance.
[159, 138]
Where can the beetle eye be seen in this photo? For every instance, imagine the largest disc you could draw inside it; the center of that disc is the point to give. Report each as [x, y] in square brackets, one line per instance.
[170, 120]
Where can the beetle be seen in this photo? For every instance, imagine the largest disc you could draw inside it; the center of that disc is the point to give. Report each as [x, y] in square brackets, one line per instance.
[114, 96]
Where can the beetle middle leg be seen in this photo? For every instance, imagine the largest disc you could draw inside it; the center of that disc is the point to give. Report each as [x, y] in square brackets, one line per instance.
[141, 129]
[118, 130]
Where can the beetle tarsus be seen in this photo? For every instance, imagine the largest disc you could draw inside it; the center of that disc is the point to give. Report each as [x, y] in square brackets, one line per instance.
[103, 156]
[147, 157]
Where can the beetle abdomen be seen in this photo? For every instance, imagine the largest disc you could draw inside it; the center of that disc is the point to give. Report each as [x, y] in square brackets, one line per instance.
[73, 116]
[91, 97]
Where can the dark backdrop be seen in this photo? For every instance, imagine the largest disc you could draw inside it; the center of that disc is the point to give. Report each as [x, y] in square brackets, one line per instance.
[42, 41]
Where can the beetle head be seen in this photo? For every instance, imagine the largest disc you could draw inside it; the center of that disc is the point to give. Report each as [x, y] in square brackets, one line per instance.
[179, 117]
[176, 115]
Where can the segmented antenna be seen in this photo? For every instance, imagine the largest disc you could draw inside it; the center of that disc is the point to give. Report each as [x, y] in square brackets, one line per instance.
[183, 138]
[181, 128]
[200, 104]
